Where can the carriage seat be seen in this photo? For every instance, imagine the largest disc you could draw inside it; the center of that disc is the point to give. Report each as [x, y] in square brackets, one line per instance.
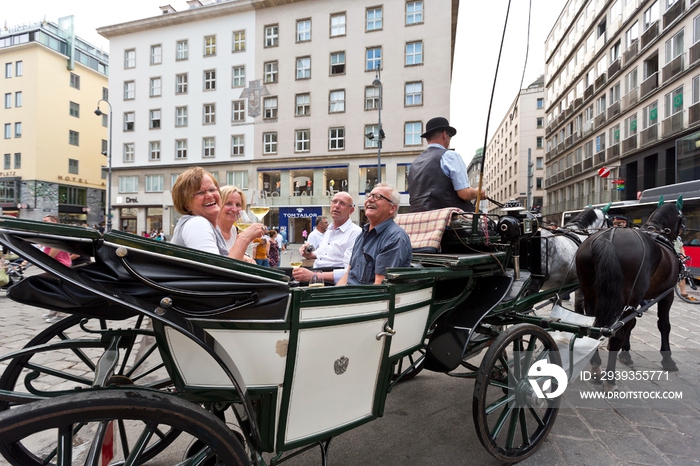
[425, 229]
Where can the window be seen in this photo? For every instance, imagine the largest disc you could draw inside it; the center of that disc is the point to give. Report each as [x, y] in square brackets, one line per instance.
[374, 19]
[180, 116]
[370, 143]
[18, 160]
[73, 138]
[8, 100]
[182, 50]
[338, 25]
[538, 183]
[540, 140]
[74, 110]
[371, 98]
[238, 41]
[302, 139]
[337, 63]
[336, 139]
[304, 30]
[674, 47]
[74, 81]
[414, 93]
[73, 166]
[8, 130]
[18, 71]
[540, 103]
[539, 163]
[129, 90]
[155, 87]
[270, 106]
[336, 101]
[630, 126]
[600, 105]
[128, 184]
[373, 58]
[237, 144]
[154, 183]
[695, 90]
[238, 110]
[209, 114]
[237, 178]
[209, 46]
[614, 136]
[304, 68]
[540, 122]
[129, 121]
[414, 13]
[104, 147]
[181, 83]
[208, 147]
[302, 105]
[696, 29]
[181, 148]
[269, 143]
[651, 15]
[18, 99]
[210, 80]
[650, 115]
[7, 165]
[130, 58]
[271, 72]
[272, 35]
[154, 119]
[631, 35]
[154, 151]
[412, 132]
[18, 130]
[673, 102]
[105, 93]
[238, 76]
[8, 70]
[414, 53]
[129, 152]
[156, 54]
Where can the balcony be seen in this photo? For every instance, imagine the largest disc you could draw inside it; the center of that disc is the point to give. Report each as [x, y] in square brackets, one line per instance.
[578, 168]
[630, 53]
[560, 147]
[588, 163]
[694, 53]
[614, 110]
[650, 34]
[599, 157]
[568, 173]
[588, 93]
[600, 119]
[672, 125]
[577, 136]
[612, 152]
[630, 99]
[629, 144]
[578, 102]
[587, 127]
[569, 141]
[649, 135]
[674, 12]
[569, 111]
[649, 84]
[694, 114]
[674, 67]
[614, 68]
[600, 42]
[600, 81]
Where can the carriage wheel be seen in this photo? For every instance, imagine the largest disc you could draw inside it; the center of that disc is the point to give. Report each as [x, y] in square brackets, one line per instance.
[77, 428]
[412, 364]
[510, 420]
[51, 371]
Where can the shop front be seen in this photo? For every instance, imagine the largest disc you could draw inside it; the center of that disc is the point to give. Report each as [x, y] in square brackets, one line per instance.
[294, 220]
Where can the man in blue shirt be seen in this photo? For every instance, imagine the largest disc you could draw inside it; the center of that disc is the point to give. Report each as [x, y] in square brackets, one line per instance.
[382, 244]
[438, 177]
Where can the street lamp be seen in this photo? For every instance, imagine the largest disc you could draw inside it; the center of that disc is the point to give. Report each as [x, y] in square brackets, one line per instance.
[99, 112]
[380, 136]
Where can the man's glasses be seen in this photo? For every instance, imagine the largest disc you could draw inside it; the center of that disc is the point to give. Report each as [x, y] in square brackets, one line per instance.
[205, 191]
[340, 203]
[377, 196]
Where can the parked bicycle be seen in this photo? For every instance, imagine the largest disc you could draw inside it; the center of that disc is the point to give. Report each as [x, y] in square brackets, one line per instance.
[691, 293]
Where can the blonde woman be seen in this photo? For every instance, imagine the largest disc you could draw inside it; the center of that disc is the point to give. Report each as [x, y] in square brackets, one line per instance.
[233, 202]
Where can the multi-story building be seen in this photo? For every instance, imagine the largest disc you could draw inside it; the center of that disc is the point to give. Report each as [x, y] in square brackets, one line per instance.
[52, 142]
[275, 97]
[622, 93]
[518, 142]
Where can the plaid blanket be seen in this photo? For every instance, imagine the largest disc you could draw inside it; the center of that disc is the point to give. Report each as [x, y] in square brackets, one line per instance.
[426, 228]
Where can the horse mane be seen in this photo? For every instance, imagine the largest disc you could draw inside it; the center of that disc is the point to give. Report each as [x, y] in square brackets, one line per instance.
[585, 218]
[665, 216]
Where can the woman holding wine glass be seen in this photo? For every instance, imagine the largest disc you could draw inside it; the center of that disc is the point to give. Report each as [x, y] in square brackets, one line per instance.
[232, 218]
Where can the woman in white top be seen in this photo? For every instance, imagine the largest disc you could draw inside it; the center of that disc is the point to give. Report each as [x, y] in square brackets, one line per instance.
[233, 202]
[196, 196]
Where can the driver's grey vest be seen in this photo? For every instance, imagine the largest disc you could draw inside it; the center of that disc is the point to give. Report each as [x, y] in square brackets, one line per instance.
[429, 188]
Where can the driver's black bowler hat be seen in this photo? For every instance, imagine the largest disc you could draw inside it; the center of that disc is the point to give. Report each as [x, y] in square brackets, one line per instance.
[438, 124]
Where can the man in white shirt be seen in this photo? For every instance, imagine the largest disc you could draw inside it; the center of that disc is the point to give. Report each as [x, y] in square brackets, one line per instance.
[317, 235]
[337, 243]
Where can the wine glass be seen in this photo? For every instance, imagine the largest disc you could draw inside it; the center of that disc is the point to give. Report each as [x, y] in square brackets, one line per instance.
[295, 259]
[259, 207]
[243, 221]
[316, 280]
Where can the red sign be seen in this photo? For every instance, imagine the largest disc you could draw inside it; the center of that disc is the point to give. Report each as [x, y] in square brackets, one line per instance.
[604, 172]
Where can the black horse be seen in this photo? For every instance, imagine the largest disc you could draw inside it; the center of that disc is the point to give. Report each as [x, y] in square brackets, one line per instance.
[620, 267]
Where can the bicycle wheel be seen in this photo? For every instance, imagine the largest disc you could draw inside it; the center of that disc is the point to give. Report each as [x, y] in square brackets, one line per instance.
[62, 359]
[117, 426]
[692, 291]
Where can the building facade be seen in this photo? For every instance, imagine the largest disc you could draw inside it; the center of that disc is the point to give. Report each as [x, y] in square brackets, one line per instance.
[276, 99]
[514, 167]
[622, 97]
[52, 142]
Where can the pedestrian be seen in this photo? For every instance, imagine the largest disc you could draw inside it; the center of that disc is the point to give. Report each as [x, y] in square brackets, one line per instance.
[305, 234]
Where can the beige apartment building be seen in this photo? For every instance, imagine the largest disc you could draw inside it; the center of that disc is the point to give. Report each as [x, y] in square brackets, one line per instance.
[276, 98]
[622, 94]
[515, 154]
[52, 141]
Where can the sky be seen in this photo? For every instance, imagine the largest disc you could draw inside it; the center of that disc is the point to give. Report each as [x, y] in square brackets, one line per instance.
[479, 31]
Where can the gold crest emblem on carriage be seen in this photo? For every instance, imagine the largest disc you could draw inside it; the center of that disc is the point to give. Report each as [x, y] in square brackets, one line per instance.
[341, 365]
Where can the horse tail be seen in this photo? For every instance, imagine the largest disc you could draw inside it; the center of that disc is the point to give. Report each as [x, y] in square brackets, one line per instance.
[608, 282]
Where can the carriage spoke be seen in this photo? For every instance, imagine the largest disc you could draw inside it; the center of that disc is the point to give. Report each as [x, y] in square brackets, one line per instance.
[512, 427]
[500, 422]
[536, 415]
[517, 369]
[523, 426]
[141, 444]
[65, 446]
[93, 458]
[122, 437]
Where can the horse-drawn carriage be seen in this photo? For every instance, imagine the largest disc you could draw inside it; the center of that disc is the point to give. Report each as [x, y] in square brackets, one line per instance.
[163, 342]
